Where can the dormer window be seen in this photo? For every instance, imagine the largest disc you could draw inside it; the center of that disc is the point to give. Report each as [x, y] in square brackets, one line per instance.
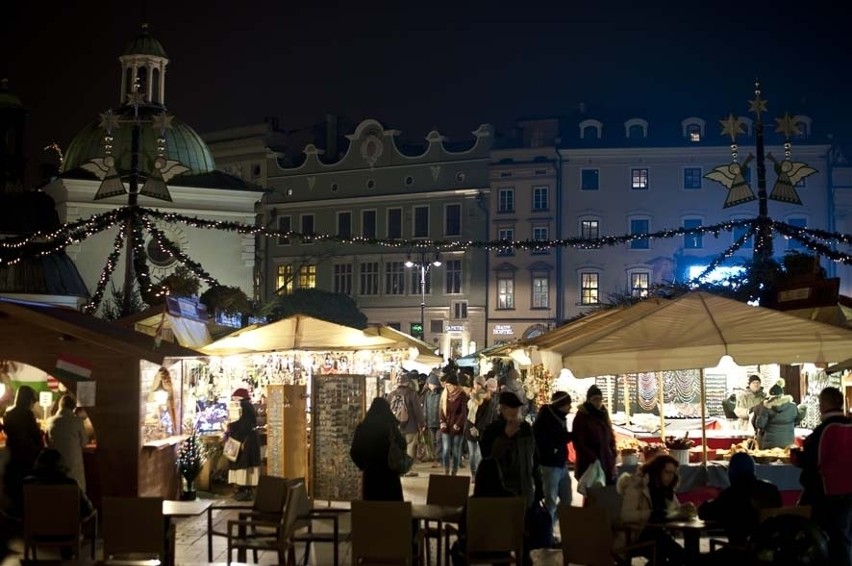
[694, 133]
[590, 130]
[693, 129]
[803, 126]
[637, 128]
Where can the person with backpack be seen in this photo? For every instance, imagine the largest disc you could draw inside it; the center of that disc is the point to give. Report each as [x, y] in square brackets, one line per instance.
[405, 406]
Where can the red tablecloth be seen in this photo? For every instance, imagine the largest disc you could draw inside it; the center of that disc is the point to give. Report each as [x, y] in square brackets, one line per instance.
[699, 496]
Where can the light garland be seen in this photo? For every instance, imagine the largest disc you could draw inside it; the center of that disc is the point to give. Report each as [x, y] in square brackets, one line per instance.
[169, 247]
[106, 272]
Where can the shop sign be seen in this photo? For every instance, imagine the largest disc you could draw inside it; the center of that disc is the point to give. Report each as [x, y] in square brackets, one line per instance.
[455, 328]
[502, 329]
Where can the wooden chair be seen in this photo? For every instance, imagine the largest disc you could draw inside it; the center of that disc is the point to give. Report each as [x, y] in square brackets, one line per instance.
[306, 518]
[268, 505]
[587, 538]
[800, 510]
[52, 518]
[450, 491]
[608, 499]
[151, 536]
[381, 533]
[277, 538]
[495, 530]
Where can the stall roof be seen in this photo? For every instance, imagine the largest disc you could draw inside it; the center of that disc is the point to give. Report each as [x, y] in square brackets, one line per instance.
[425, 353]
[86, 327]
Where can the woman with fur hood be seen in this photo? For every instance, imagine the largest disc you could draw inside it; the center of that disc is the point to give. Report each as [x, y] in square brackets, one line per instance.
[776, 418]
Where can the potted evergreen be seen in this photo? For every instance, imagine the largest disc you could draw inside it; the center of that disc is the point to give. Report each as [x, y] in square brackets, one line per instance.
[191, 457]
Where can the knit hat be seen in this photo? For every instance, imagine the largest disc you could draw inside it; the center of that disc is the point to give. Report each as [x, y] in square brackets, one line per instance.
[560, 399]
[491, 384]
[433, 379]
[509, 399]
[242, 393]
[594, 391]
[778, 388]
[452, 379]
[752, 378]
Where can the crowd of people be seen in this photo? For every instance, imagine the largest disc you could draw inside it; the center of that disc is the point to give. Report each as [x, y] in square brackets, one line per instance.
[510, 455]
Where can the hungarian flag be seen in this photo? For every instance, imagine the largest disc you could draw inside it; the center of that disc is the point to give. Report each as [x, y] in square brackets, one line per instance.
[73, 368]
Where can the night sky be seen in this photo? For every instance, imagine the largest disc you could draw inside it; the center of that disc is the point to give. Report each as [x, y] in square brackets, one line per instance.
[443, 65]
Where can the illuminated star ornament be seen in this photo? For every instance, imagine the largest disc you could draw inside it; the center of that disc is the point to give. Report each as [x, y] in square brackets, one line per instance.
[109, 121]
[162, 122]
[758, 105]
[135, 99]
[732, 127]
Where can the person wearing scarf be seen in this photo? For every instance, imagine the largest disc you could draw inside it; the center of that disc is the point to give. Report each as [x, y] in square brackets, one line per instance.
[480, 413]
[453, 417]
[594, 438]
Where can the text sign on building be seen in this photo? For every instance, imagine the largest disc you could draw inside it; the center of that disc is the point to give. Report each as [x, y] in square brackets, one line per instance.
[455, 328]
[502, 329]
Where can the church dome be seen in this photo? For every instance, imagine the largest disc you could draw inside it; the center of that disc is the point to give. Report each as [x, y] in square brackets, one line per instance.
[183, 144]
[145, 44]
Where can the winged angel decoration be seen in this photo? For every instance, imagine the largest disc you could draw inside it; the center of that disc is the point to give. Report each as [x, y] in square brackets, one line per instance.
[790, 173]
[732, 177]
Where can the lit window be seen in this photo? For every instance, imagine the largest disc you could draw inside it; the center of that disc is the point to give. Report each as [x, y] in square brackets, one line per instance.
[692, 241]
[284, 225]
[505, 291]
[284, 280]
[694, 133]
[343, 278]
[540, 199]
[452, 220]
[421, 221]
[639, 284]
[589, 288]
[453, 270]
[639, 179]
[589, 229]
[394, 278]
[640, 226]
[506, 200]
[540, 292]
[507, 235]
[369, 278]
[368, 223]
[692, 177]
[589, 179]
[307, 276]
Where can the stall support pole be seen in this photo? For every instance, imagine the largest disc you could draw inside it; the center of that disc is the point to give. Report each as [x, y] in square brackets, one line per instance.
[660, 400]
[626, 397]
[703, 419]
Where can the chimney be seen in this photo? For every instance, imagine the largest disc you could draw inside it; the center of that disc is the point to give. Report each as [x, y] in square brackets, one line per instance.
[331, 138]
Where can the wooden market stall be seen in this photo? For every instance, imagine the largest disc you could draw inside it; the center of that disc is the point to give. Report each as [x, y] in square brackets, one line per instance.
[117, 463]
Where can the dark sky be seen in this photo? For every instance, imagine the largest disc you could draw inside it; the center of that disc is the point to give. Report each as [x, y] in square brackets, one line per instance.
[418, 65]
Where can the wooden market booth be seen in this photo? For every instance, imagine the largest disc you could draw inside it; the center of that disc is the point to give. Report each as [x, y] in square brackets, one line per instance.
[117, 464]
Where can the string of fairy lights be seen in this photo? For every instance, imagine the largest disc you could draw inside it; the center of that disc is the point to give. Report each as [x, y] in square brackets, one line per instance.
[15, 250]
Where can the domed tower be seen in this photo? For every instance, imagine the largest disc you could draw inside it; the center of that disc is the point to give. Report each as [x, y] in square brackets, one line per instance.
[143, 70]
[12, 118]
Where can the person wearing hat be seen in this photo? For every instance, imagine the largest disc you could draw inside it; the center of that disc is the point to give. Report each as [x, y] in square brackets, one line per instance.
[431, 411]
[514, 385]
[480, 413]
[593, 436]
[748, 400]
[551, 439]
[453, 415]
[406, 407]
[776, 418]
[245, 471]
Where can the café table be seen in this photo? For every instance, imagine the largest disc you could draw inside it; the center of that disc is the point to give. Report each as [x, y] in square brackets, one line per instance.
[691, 530]
[181, 509]
[439, 514]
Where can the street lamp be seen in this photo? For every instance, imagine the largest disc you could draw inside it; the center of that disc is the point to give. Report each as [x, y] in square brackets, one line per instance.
[424, 264]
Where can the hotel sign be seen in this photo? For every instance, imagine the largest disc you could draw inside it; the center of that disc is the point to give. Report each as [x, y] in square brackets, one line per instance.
[456, 328]
[503, 330]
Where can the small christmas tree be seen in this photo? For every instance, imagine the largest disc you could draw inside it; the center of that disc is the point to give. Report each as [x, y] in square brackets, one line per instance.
[191, 457]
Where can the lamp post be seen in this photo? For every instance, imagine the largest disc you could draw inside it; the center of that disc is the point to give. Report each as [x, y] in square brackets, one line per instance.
[424, 264]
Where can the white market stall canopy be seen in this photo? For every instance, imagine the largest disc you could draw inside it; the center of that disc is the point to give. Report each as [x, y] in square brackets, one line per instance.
[297, 332]
[692, 331]
[425, 353]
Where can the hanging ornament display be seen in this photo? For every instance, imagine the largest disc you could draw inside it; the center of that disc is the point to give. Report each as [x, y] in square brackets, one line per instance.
[646, 391]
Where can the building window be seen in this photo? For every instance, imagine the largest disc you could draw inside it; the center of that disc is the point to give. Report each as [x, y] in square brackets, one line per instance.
[692, 241]
[793, 244]
[540, 234]
[692, 177]
[589, 179]
[636, 131]
[344, 224]
[369, 278]
[307, 276]
[421, 222]
[540, 198]
[739, 232]
[540, 292]
[506, 200]
[506, 235]
[307, 227]
[589, 288]
[505, 291]
[343, 278]
[284, 280]
[394, 278]
[590, 229]
[436, 326]
[368, 223]
[452, 220]
[459, 309]
[693, 131]
[639, 179]
[640, 282]
[453, 270]
[415, 282]
[640, 226]
[394, 223]
[284, 225]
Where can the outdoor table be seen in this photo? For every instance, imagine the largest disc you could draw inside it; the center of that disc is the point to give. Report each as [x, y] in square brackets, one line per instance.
[691, 530]
[177, 509]
[440, 514]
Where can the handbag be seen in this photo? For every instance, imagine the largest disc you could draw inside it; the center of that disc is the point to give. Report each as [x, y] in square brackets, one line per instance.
[398, 459]
[591, 478]
[538, 527]
[231, 450]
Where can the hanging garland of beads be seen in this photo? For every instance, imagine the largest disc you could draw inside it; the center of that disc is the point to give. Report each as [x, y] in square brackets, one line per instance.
[687, 388]
[646, 391]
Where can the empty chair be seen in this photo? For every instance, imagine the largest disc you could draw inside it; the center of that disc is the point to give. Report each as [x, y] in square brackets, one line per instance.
[448, 491]
[307, 517]
[268, 505]
[52, 518]
[277, 537]
[495, 530]
[147, 539]
[587, 538]
[381, 533]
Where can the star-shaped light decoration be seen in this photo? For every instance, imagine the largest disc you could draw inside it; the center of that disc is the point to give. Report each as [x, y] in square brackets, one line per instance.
[758, 105]
[732, 126]
[135, 99]
[787, 126]
[109, 121]
[162, 122]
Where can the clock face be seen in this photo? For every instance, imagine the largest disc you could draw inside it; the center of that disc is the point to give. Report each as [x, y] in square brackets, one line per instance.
[161, 261]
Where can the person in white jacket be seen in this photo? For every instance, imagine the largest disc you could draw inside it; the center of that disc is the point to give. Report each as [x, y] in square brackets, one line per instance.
[748, 400]
[66, 433]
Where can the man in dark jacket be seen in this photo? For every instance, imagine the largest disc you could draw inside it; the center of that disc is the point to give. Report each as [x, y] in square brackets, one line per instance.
[406, 408]
[832, 513]
[593, 436]
[551, 439]
[431, 410]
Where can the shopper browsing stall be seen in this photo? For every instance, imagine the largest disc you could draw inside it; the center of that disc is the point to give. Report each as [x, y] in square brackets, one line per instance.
[776, 418]
[245, 470]
[748, 400]
[593, 436]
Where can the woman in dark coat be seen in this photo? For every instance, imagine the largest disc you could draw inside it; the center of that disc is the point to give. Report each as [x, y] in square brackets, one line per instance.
[245, 471]
[24, 441]
[369, 451]
[593, 436]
